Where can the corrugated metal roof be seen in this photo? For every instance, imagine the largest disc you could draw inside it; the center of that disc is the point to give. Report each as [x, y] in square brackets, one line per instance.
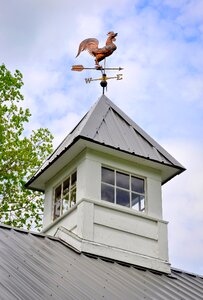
[106, 124]
[33, 266]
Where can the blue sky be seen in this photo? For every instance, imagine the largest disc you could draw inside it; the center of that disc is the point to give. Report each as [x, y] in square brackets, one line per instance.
[160, 45]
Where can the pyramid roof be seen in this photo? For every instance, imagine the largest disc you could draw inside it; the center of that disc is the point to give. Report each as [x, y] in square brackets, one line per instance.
[107, 125]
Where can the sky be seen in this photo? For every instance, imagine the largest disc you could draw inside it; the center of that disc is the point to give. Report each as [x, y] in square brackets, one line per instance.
[160, 46]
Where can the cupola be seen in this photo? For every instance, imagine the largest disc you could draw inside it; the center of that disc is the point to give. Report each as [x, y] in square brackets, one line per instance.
[103, 189]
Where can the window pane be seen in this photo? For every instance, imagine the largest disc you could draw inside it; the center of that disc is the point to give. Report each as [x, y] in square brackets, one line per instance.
[108, 176]
[142, 203]
[137, 201]
[107, 193]
[66, 184]
[73, 178]
[66, 203]
[137, 184]
[136, 206]
[122, 180]
[123, 197]
[57, 206]
[58, 193]
[73, 197]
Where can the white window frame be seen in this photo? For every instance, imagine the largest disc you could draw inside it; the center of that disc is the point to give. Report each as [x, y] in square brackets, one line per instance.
[72, 190]
[115, 187]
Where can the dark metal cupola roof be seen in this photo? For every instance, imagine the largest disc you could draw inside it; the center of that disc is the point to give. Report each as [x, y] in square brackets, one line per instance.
[106, 125]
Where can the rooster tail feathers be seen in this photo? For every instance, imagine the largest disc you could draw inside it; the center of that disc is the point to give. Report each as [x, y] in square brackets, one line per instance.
[90, 44]
[81, 48]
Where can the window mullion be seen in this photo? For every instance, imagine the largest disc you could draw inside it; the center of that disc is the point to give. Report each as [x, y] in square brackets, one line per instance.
[114, 186]
[130, 193]
[69, 192]
[61, 204]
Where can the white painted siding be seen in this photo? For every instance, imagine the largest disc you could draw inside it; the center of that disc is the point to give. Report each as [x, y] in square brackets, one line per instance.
[114, 231]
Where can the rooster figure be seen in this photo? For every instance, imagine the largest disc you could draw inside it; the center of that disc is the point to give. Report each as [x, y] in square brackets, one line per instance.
[91, 45]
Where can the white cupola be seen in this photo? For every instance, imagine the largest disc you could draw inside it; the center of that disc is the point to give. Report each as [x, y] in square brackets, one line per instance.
[103, 189]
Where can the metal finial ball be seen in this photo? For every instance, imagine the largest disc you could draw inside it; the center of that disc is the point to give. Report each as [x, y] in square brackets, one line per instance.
[103, 83]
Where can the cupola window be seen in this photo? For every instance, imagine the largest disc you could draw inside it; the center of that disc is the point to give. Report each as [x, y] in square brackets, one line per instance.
[65, 195]
[123, 189]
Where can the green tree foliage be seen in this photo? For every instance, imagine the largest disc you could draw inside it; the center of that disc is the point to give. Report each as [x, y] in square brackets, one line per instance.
[20, 156]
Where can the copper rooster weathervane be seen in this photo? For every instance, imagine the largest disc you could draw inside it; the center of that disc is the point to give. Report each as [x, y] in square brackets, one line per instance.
[91, 45]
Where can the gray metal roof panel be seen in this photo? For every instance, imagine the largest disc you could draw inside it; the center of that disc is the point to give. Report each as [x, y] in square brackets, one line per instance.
[33, 266]
[116, 132]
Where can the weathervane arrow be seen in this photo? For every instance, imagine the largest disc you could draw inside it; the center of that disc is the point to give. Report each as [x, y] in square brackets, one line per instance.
[80, 68]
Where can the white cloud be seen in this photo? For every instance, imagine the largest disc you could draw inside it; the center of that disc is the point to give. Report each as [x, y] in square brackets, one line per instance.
[69, 121]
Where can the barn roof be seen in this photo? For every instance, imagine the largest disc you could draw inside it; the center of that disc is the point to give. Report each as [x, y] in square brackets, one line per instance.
[35, 266]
